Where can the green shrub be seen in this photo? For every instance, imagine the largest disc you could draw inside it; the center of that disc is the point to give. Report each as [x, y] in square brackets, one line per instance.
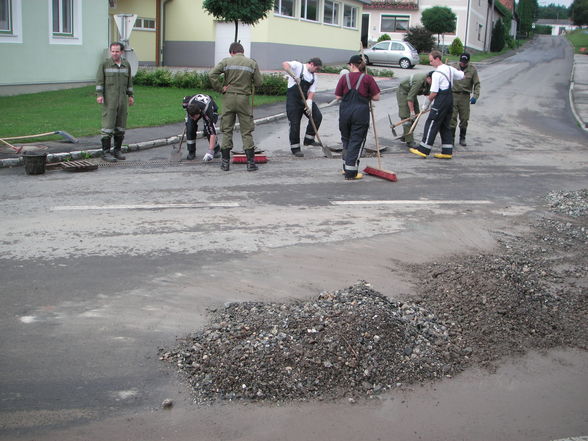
[542, 29]
[273, 84]
[384, 37]
[420, 38]
[456, 47]
[162, 78]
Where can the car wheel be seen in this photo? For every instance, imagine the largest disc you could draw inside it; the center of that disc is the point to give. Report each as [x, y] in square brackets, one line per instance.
[405, 63]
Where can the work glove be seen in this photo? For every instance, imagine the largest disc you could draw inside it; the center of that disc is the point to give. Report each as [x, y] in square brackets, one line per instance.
[473, 100]
[208, 156]
[426, 104]
[308, 109]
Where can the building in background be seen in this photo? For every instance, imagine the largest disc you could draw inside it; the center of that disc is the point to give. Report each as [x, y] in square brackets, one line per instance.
[558, 27]
[50, 44]
[184, 34]
[475, 20]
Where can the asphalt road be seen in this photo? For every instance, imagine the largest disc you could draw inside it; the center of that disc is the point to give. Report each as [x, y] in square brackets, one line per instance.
[100, 269]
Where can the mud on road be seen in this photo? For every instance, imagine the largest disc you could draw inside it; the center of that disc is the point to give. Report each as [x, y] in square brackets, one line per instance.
[529, 293]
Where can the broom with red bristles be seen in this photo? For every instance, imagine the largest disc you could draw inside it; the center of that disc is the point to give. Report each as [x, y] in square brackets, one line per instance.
[379, 172]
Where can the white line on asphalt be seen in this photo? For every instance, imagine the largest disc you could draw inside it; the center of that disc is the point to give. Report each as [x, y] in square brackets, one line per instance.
[144, 206]
[460, 202]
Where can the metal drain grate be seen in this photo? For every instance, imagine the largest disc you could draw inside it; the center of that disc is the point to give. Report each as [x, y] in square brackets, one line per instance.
[142, 164]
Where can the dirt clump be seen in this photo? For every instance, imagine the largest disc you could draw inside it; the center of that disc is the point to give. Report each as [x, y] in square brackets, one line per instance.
[530, 292]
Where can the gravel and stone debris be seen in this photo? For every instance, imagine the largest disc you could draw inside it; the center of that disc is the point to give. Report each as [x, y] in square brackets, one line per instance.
[529, 293]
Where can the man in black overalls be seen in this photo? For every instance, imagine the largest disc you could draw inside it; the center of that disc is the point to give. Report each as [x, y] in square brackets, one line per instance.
[355, 89]
[439, 119]
[304, 75]
[201, 107]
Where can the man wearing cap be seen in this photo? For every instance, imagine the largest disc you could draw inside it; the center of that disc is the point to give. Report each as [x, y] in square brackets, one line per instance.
[302, 75]
[408, 103]
[465, 92]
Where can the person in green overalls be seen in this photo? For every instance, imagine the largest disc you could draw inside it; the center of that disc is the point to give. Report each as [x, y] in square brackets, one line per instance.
[465, 92]
[240, 76]
[114, 89]
[408, 103]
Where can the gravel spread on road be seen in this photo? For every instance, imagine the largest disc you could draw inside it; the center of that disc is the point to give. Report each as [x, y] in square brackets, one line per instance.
[530, 292]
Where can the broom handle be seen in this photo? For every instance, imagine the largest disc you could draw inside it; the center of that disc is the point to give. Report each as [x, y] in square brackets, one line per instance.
[376, 136]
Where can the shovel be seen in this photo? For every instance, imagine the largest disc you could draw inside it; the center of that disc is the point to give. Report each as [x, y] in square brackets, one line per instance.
[414, 124]
[394, 125]
[326, 150]
[176, 154]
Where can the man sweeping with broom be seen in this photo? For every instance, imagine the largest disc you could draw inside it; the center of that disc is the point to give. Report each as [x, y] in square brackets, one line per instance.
[355, 89]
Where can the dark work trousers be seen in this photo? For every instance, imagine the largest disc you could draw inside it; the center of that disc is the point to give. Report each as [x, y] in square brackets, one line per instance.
[354, 122]
[295, 110]
[439, 121]
[191, 130]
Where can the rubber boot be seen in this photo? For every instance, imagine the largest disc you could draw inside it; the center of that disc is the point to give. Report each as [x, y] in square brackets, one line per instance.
[217, 152]
[462, 136]
[118, 139]
[297, 152]
[446, 153]
[191, 154]
[226, 159]
[106, 155]
[251, 166]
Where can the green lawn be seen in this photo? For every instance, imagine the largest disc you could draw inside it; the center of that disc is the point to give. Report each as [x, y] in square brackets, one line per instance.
[76, 111]
[579, 39]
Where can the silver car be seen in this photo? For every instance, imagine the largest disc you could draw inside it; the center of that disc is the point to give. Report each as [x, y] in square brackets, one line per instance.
[399, 53]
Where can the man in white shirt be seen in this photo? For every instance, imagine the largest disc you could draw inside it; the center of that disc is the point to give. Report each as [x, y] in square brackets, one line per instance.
[441, 102]
[304, 75]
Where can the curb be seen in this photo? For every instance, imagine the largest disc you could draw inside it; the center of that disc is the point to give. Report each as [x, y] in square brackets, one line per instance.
[146, 145]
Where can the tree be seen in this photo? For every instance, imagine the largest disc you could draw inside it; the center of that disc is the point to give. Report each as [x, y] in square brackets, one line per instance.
[245, 11]
[527, 12]
[497, 42]
[456, 47]
[553, 11]
[384, 37]
[421, 38]
[579, 12]
[439, 20]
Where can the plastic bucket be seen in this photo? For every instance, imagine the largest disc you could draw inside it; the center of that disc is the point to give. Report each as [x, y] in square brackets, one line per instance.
[34, 162]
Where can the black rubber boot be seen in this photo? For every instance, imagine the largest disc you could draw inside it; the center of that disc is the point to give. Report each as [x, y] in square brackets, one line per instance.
[118, 139]
[462, 136]
[191, 155]
[251, 166]
[226, 159]
[106, 155]
[297, 152]
[217, 152]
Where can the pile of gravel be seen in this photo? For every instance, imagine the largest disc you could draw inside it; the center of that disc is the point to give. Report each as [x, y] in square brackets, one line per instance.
[350, 343]
[529, 293]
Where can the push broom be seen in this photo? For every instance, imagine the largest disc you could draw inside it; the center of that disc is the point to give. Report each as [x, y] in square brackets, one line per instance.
[378, 172]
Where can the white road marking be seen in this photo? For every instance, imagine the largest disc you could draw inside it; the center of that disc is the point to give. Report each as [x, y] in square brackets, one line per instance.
[414, 202]
[143, 206]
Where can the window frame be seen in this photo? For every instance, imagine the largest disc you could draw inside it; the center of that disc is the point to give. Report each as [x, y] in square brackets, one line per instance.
[13, 33]
[304, 10]
[61, 21]
[395, 17]
[354, 10]
[8, 12]
[278, 8]
[73, 38]
[336, 12]
[142, 27]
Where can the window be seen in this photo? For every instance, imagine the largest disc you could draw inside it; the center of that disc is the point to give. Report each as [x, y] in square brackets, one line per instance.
[309, 10]
[10, 21]
[349, 16]
[331, 12]
[62, 12]
[5, 17]
[145, 24]
[381, 46]
[65, 21]
[394, 23]
[284, 7]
